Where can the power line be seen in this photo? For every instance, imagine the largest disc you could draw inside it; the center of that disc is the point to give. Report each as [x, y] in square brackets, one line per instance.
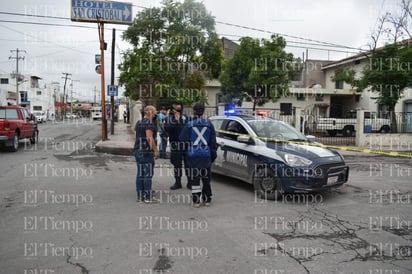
[299, 43]
[287, 35]
[319, 43]
[45, 24]
[302, 43]
[45, 41]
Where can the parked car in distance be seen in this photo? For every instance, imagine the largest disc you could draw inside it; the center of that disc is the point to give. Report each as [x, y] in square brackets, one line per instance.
[347, 126]
[71, 116]
[96, 113]
[16, 124]
[40, 116]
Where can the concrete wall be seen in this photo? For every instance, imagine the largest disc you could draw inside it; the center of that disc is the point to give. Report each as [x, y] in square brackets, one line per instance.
[381, 141]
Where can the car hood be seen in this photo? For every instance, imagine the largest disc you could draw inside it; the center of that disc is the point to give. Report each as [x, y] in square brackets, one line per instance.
[310, 152]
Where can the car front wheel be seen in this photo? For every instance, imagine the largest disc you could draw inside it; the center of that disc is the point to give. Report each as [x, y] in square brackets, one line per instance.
[266, 184]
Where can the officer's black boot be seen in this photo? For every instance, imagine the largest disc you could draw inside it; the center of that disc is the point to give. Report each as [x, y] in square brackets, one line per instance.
[177, 185]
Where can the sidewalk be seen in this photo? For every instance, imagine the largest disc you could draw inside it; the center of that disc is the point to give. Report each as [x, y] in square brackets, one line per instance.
[120, 143]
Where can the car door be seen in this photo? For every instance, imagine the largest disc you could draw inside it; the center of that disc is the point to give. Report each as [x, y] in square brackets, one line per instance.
[27, 125]
[234, 153]
[218, 164]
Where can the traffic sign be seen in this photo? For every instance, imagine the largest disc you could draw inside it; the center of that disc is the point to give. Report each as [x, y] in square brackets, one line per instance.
[112, 90]
[101, 11]
[98, 69]
[97, 59]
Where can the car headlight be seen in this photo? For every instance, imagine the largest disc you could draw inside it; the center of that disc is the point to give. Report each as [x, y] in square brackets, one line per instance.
[295, 161]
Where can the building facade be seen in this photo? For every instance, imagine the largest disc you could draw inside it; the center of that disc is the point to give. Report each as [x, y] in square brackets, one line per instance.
[316, 93]
[34, 94]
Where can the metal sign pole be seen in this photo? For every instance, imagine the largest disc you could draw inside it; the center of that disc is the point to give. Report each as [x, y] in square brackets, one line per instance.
[102, 48]
[112, 81]
[102, 12]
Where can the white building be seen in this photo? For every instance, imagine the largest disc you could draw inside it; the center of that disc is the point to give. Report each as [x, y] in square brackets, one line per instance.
[35, 94]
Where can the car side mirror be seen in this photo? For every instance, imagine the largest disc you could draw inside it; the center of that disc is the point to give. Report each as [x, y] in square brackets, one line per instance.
[245, 140]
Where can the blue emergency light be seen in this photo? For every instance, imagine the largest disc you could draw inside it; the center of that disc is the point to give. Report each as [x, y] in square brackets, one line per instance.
[230, 109]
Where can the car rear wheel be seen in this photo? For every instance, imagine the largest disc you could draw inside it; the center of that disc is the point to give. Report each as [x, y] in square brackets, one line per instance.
[15, 142]
[347, 131]
[385, 129]
[266, 184]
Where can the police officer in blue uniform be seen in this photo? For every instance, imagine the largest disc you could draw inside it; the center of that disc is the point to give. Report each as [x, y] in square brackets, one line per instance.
[174, 124]
[199, 139]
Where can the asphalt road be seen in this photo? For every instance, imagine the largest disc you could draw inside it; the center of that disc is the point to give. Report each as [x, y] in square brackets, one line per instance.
[67, 209]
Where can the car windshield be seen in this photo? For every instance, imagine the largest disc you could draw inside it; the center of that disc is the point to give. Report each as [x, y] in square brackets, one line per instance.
[274, 129]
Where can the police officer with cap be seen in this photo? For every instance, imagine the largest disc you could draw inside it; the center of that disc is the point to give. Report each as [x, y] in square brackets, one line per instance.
[199, 138]
[174, 124]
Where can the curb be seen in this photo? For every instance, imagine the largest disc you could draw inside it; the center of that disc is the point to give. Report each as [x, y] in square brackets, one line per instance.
[113, 149]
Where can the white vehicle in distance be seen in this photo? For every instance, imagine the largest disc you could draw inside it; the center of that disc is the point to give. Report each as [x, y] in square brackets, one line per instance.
[71, 116]
[96, 113]
[40, 116]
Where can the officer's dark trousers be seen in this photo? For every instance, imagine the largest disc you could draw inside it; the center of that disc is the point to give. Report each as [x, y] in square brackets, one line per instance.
[178, 159]
[204, 192]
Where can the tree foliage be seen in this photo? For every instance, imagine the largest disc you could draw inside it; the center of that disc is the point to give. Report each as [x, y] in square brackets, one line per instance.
[348, 76]
[175, 47]
[259, 71]
[388, 73]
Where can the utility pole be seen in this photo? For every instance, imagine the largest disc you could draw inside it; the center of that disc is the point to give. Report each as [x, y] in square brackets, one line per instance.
[17, 71]
[66, 75]
[102, 80]
[71, 96]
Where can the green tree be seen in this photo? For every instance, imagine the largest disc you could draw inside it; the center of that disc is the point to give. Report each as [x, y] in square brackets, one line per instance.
[175, 47]
[259, 71]
[389, 70]
[388, 74]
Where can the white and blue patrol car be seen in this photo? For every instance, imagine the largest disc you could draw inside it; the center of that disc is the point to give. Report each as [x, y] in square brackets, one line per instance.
[274, 157]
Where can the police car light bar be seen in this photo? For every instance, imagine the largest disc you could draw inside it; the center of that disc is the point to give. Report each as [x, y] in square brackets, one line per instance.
[230, 111]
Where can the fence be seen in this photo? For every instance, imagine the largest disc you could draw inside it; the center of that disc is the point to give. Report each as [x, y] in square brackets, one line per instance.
[397, 138]
[343, 131]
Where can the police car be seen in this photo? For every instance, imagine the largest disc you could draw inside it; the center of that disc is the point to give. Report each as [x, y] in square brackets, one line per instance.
[274, 157]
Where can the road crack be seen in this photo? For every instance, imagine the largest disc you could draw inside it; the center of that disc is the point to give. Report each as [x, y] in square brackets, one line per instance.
[337, 236]
[82, 267]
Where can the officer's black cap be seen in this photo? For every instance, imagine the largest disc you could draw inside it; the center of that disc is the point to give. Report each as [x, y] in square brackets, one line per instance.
[199, 108]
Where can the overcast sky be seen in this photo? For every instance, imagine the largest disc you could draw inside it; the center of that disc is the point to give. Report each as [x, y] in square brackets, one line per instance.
[53, 50]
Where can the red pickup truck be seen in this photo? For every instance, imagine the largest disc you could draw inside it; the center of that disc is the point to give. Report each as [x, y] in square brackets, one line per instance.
[16, 123]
